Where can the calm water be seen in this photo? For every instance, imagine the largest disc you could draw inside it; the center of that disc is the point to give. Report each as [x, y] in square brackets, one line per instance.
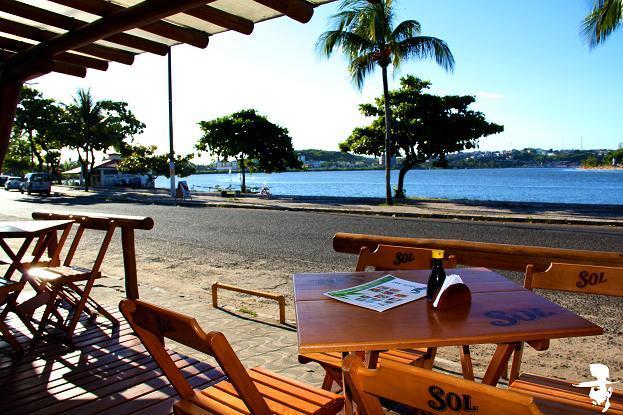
[524, 185]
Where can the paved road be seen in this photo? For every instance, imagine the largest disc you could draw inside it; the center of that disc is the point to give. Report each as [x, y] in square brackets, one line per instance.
[298, 235]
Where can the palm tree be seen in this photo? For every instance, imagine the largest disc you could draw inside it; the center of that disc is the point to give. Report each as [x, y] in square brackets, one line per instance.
[364, 31]
[605, 18]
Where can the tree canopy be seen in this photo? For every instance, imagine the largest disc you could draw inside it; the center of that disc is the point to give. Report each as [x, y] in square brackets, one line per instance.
[424, 126]
[144, 160]
[91, 126]
[366, 33]
[38, 121]
[605, 17]
[252, 140]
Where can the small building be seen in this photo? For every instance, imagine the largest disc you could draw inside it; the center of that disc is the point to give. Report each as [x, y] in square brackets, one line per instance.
[106, 174]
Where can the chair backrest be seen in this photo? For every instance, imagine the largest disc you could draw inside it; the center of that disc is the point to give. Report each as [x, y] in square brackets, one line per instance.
[588, 279]
[109, 226]
[152, 324]
[394, 257]
[428, 391]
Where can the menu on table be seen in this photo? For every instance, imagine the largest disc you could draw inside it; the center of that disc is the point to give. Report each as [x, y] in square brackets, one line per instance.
[381, 294]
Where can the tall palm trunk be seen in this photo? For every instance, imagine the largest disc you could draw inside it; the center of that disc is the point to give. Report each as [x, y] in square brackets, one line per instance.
[388, 116]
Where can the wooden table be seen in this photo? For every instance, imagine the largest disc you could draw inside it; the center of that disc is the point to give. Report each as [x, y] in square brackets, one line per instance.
[44, 232]
[501, 312]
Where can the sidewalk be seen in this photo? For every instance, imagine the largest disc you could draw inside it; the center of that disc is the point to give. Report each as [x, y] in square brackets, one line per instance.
[601, 215]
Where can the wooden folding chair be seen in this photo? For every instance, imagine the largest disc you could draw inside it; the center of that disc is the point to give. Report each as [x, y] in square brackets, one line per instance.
[389, 258]
[256, 391]
[8, 287]
[61, 281]
[576, 278]
[393, 257]
[428, 391]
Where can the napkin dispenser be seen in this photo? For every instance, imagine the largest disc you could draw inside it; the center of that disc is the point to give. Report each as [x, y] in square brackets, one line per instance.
[451, 294]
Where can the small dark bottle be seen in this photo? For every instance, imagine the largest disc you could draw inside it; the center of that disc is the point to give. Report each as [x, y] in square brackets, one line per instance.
[437, 275]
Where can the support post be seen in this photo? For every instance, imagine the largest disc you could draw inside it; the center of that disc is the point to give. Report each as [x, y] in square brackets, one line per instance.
[9, 98]
[171, 151]
[129, 263]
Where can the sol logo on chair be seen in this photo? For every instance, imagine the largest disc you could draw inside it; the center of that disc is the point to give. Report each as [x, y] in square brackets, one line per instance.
[450, 400]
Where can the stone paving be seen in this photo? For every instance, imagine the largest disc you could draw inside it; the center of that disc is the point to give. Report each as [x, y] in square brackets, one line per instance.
[258, 340]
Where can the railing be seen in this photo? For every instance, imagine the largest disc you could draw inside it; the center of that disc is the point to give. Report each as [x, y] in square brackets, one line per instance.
[277, 297]
[482, 254]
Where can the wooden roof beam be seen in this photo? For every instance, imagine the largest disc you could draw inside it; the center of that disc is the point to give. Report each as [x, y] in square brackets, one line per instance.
[41, 35]
[60, 21]
[43, 67]
[18, 46]
[223, 19]
[299, 10]
[103, 8]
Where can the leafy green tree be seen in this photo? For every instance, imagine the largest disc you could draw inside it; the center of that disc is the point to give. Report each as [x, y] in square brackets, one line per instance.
[91, 126]
[252, 140]
[38, 118]
[602, 21]
[18, 160]
[365, 31]
[144, 160]
[424, 126]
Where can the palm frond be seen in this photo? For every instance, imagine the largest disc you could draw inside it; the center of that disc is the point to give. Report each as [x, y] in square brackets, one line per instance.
[405, 30]
[350, 43]
[424, 47]
[604, 19]
[360, 67]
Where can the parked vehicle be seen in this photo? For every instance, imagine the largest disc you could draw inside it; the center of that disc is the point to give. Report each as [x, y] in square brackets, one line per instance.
[3, 179]
[13, 183]
[37, 183]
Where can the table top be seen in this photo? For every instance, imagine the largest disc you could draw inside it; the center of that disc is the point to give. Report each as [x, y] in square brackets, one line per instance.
[500, 312]
[23, 229]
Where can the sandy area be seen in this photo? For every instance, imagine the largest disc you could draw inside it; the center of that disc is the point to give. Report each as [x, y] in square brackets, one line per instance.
[188, 271]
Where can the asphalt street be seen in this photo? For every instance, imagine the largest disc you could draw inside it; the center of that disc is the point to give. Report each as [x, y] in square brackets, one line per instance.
[287, 235]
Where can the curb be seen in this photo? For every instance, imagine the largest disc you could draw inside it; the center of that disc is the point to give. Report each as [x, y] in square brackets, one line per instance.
[329, 210]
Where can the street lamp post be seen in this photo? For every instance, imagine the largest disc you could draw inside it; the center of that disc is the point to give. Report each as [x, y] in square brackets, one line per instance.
[171, 152]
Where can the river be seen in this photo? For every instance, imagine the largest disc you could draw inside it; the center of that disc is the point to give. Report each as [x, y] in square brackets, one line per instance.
[519, 185]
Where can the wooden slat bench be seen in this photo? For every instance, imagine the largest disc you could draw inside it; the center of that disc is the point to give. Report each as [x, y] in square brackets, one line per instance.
[104, 370]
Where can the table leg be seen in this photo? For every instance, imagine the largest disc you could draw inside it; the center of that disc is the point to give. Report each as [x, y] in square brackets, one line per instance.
[498, 363]
[372, 359]
[466, 362]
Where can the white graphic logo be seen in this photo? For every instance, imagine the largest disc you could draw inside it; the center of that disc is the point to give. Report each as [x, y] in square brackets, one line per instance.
[600, 392]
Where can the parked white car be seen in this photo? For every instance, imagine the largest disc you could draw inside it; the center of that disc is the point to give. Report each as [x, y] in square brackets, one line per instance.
[13, 183]
[37, 183]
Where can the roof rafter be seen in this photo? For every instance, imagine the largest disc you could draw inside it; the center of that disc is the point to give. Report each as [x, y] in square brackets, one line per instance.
[41, 35]
[101, 8]
[14, 45]
[60, 21]
[223, 19]
[52, 66]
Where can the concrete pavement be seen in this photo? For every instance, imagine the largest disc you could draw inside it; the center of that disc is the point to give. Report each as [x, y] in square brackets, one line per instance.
[604, 215]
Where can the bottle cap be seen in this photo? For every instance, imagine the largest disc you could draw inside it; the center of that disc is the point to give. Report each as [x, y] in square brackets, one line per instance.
[437, 254]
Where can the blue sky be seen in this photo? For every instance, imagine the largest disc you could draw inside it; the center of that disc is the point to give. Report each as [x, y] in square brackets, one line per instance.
[524, 60]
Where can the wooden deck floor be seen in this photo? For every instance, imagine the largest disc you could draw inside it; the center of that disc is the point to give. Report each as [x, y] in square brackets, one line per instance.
[105, 370]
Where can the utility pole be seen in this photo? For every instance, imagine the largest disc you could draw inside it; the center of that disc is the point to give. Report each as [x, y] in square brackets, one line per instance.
[171, 151]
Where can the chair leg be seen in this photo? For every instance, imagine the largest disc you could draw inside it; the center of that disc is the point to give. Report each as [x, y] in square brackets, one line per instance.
[48, 310]
[327, 382]
[428, 361]
[10, 338]
[466, 362]
[79, 307]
